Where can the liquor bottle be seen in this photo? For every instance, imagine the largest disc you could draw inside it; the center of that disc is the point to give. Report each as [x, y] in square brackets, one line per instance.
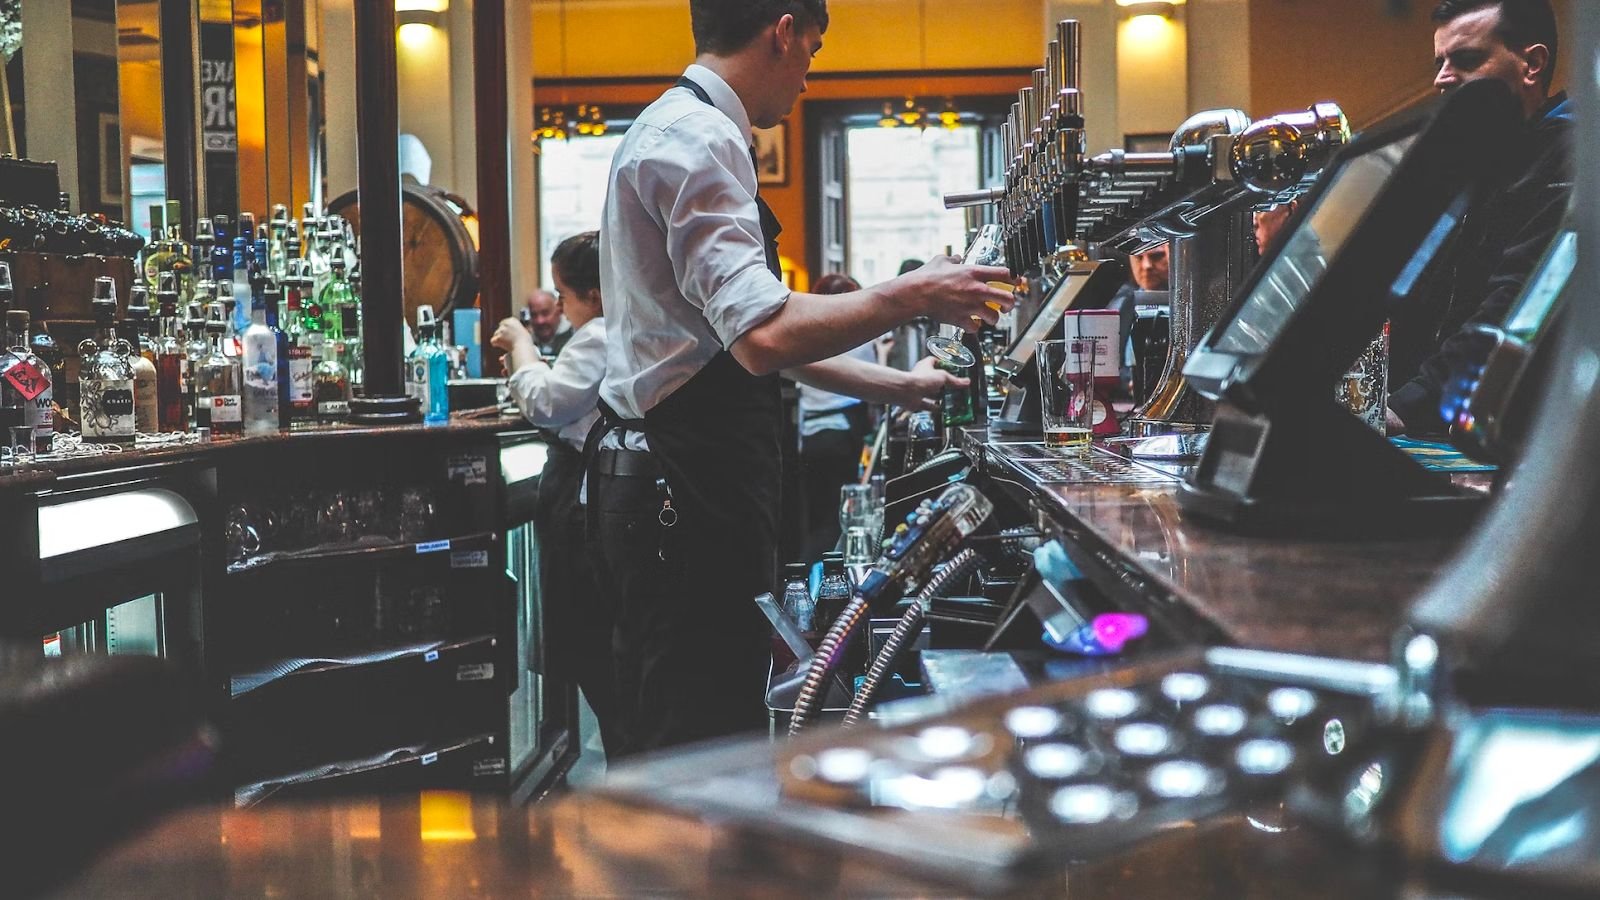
[13, 403]
[277, 256]
[428, 372]
[195, 351]
[179, 260]
[105, 380]
[833, 594]
[172, 364]
[331, 386]
[27, 377]
[300, 344]
[274, 302]
[205, 250]
[340, 313]
[218, 403]
[243, 250]
[146, 398]
[221, 250]
[259, 364]
[230, 307]
[156, 253]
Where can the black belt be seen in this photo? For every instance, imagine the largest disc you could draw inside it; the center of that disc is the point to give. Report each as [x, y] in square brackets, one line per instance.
[627, 464]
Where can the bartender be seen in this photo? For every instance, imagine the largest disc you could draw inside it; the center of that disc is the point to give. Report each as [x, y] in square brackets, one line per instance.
[685, 476]
[1504, 235]
[563, 396]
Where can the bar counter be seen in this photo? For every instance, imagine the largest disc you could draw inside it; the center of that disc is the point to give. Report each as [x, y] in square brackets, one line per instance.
[1206, 585]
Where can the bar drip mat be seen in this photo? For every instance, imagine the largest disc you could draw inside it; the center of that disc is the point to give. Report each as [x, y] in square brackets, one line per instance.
[1049, 466]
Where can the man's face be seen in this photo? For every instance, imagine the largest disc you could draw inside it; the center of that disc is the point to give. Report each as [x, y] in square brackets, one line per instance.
[1467, 49]
[1150, 269]
[544, 316]
[796, 48]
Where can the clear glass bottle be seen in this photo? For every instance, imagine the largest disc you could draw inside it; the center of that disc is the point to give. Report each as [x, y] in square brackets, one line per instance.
[172, 363]
[179, 262]
[331, 386]
[277, 255]
[230, 308]
[156, 253]
[300, 347]
[146, 392]
[243, 262]
[259, 365]
[219, 403]
[800, 608]
[833, 594]
[105, 378]
[27, 378]
[428, 371]
[195, 350]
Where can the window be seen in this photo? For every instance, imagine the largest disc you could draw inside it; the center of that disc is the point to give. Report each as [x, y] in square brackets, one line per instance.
[897, 179]
[572, 190]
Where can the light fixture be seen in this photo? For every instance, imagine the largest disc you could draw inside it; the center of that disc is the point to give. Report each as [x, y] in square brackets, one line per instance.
[950, 118]
[888, 120]
[420, 12]
[913, 116]
[1164, 9]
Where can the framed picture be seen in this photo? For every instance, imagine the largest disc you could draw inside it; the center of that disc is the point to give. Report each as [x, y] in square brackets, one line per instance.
[772, 154]
[110, 160]
[1151, 142]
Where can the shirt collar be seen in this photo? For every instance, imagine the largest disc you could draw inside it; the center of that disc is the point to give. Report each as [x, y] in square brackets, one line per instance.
[722, 97]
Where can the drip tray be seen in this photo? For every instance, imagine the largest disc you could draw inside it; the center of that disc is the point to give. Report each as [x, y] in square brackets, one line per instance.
[1046, 465]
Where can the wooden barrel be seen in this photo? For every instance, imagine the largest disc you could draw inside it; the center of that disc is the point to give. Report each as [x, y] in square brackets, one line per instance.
[439, 253]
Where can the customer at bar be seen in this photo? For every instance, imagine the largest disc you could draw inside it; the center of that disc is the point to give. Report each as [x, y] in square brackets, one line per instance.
[686, 473]
[547, 321]
[1508, 229]
[563, 396]
[832, 429]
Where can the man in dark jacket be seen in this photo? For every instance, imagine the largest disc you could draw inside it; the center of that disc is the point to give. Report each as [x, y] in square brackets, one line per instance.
[1513, 218]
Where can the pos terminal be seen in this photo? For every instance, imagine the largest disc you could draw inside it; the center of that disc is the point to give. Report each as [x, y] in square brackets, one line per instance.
[1283, 453]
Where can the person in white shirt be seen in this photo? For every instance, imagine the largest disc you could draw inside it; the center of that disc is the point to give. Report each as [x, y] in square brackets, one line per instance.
[833, 428]
[686, 474]
[563, 397]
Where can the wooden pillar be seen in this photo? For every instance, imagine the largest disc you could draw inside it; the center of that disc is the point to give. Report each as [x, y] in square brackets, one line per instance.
[494, 173]
[383, 398]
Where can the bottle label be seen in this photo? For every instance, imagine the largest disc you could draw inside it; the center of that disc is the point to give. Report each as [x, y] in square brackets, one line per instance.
[300, 380]
[26, 378]
[417, 381]
[225, 408]
[107, 407]
[41, 413]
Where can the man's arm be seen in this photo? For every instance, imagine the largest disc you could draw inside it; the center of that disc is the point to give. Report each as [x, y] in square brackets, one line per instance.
[852, 377]
[812, 327]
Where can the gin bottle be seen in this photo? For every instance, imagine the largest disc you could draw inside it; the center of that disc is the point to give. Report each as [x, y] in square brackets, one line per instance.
[428, 372]
[25, 378]
[105, 380]
[331, 386]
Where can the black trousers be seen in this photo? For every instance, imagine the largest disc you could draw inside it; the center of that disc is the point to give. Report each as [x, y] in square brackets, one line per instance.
[691, 651]
[577, 615]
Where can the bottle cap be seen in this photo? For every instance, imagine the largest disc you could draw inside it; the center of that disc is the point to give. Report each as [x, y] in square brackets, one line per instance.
[105, 293]
[796, 570]
[17, 319]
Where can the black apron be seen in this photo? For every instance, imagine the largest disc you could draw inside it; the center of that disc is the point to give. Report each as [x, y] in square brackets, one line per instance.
[717, 442]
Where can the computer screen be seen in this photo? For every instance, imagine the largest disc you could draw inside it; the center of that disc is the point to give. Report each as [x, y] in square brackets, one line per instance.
[1304, 256]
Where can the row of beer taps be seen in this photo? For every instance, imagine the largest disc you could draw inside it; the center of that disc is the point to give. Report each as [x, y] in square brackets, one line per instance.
[1055, 198]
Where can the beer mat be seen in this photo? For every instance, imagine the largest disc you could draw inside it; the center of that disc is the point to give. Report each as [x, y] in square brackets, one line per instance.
[1439, 457]
[1046, 465]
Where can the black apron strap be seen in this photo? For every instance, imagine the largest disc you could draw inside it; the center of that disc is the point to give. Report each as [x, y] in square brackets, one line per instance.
[770, 226]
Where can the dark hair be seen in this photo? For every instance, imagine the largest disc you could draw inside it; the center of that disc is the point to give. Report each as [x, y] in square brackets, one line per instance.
[722, 27]
[577, 261]
[910, 265]
[1523, 23]
[835, 283]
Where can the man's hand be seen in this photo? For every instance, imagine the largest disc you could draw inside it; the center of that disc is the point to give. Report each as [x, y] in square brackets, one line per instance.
[961, 295]
[922, 385]
[1392, 425]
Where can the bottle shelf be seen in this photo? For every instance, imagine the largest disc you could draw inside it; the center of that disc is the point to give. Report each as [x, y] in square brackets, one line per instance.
[450, 550]
[461, 763]
[461, 656]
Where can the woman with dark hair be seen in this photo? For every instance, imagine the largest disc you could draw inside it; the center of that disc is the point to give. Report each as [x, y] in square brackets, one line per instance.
[564, 397]
[833, 428]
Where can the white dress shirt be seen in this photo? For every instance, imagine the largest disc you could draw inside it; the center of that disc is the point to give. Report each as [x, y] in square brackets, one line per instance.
[565, 397]
[816, 400]
[683, 266]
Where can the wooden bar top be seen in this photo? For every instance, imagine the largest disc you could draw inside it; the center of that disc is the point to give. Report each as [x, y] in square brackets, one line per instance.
[1341, 598]
[42, 473]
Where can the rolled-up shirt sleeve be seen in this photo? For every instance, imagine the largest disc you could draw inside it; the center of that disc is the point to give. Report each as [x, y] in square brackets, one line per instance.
[713, 228]
[556, 396]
